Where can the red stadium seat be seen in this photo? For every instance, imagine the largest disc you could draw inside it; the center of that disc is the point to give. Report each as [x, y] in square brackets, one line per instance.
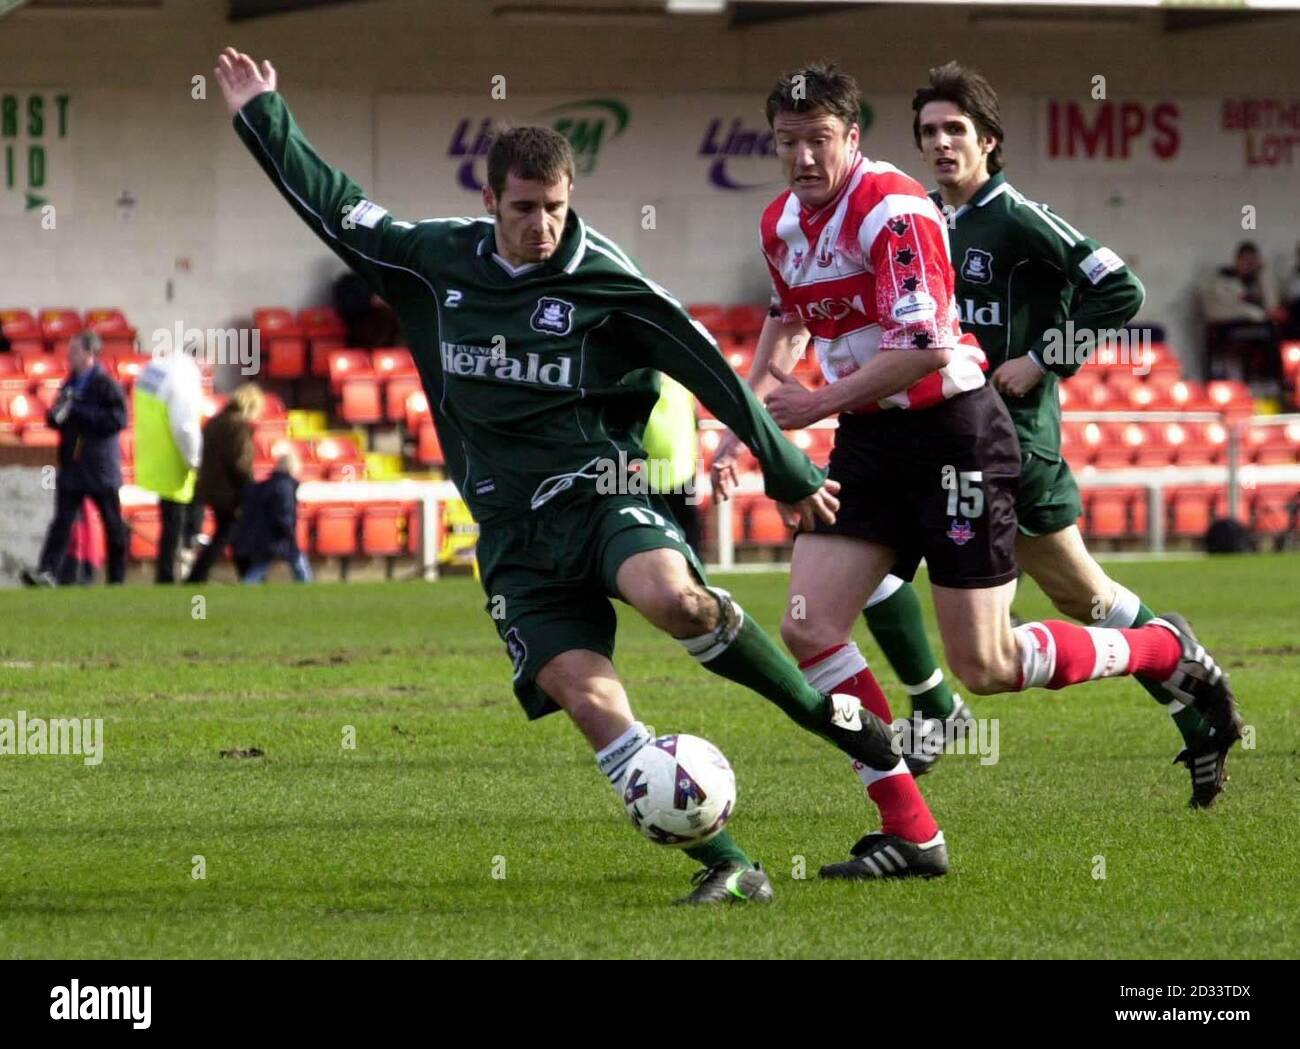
[330, 450]
[1114, 513]
[19, 324]
[59, 325]
[1189, 509]
[303, 531]
[286, 356]
[361, 401]
[336, 530]
[764, 526]
[1233, 399]
[712, 316]
[38, 435]
[1271, 508]
[1290, 356]
[1272, 445]
[393, 362]
[383, 530]
[41, 366]
[349, 364]
[22, 409]
[745, 321]
[417, 410]
[397, 393]
[321, 322]
[275, 320]
[111, 325]
[428, 450]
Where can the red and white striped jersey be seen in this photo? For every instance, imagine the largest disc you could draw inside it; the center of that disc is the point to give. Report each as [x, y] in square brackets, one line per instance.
[870, 271]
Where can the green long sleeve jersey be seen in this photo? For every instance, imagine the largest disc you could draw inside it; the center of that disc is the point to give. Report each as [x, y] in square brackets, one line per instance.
[536, 375]
[1022, 272]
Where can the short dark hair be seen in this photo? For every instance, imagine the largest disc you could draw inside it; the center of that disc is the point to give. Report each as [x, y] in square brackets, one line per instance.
[89, 341]
[819, 86]
[537, 154]
[1247, 245]
[969, 92]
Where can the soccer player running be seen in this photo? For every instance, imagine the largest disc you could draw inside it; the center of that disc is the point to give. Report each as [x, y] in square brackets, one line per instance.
[926, 452]
[1022, 271]
[538, 342]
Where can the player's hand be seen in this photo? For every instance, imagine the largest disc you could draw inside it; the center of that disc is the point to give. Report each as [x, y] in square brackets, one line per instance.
[792, 405]
[722, 471]
[1017, 377]
[241, 80]
[820, 506]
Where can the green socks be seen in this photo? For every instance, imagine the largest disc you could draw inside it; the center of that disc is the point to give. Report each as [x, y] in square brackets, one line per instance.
[899, 629]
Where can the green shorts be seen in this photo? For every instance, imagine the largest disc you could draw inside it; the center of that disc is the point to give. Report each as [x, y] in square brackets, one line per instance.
[549, 577]
[1048, 500]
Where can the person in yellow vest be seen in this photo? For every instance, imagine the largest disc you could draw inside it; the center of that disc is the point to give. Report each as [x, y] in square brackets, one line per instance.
[168, 446]
[672, 447]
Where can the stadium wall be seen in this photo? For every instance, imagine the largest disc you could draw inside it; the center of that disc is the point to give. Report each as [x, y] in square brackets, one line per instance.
[159, 209]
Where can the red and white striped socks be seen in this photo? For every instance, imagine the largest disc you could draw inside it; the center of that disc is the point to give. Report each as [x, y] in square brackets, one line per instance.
[1054, 654]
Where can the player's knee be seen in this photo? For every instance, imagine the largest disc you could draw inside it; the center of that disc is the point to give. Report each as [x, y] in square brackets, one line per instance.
[1072, 605]
[983, 673]
[684, 609]
[804, 638]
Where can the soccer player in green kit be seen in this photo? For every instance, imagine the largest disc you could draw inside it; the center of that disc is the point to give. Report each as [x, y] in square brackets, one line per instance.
[1022, 272]
[538, 343]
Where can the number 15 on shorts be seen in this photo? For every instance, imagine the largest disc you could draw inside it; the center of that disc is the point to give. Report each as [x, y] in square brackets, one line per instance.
[965, 491]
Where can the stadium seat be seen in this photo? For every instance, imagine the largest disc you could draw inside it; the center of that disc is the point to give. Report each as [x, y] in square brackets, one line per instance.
[336, 530]
[59, 325]
[19, 324]
[324, 330]
[38, 435]
[286, 356]
[1114, 513]
[330, 450]
[361, 402]
[1271, 508]
[1290, 356]
[42, 366]
[1189, 509]
[1118, 446]
[349, 364]
[1154, 449]
[428, 450]
[383, 530]
[303, 531]
[417, 410]
[745, 321]
[397, 392]
[128, 369]
[764, 526]
[711, 315]
[393, 362]
[1233, 399]
[1271, 445]
[111, 325]
[22, 409]
[145, 524]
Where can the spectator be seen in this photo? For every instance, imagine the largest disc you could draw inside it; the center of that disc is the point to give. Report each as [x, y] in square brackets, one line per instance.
[226, 466]
[370, 321]
[168, 410]
[89, 413]
[1242, 309]
[268, 524]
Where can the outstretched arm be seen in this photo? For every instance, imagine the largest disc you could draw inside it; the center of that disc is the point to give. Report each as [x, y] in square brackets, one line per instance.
[355, 228]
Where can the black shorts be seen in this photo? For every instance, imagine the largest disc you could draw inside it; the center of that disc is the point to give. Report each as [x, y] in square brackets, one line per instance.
[938, 483]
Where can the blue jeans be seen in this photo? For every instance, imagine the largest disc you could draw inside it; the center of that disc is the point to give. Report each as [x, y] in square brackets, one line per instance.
[301, 570]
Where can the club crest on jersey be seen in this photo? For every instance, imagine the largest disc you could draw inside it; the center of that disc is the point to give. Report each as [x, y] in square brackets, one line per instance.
[553, 316]
[898, 226]
[977, 266]
[825, 256]
[797, 259]
[961, 532]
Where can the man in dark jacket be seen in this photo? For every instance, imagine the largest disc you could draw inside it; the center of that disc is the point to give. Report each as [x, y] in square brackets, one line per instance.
[268, 524]
[89, 413]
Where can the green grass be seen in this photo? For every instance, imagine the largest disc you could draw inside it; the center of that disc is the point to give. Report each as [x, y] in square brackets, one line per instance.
[387, 850]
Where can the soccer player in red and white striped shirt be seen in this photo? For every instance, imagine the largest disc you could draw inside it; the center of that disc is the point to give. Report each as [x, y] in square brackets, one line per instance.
[926, 454]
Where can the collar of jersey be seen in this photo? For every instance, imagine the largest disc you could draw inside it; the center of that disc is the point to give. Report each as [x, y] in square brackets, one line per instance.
[573, 245]
[985, 194]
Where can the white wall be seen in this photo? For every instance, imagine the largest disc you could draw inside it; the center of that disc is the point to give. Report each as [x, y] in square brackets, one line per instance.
[379, 87]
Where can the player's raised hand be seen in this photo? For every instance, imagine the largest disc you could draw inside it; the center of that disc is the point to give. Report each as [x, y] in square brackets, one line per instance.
[792, 405]
[821, 505]
[722, 471]
[240, 78]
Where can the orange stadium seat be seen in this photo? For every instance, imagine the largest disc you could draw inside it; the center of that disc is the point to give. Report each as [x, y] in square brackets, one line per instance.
[111, 325]
[383, 530]
[1270, 508]
[321, 322]
[712, 316]
[303, 531]
[145, 523]
[38, 435]
[1115, 513]
[1189, 509]
[764, 526]
[392, 362]
[336, 530]
[745, 321]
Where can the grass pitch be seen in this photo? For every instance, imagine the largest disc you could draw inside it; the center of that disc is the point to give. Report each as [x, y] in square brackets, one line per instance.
[456, 829]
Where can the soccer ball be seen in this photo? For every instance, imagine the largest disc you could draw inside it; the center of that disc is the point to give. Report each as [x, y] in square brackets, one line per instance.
[679, 791]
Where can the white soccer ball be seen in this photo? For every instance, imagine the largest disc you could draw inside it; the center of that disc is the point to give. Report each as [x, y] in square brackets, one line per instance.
[679, 791]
